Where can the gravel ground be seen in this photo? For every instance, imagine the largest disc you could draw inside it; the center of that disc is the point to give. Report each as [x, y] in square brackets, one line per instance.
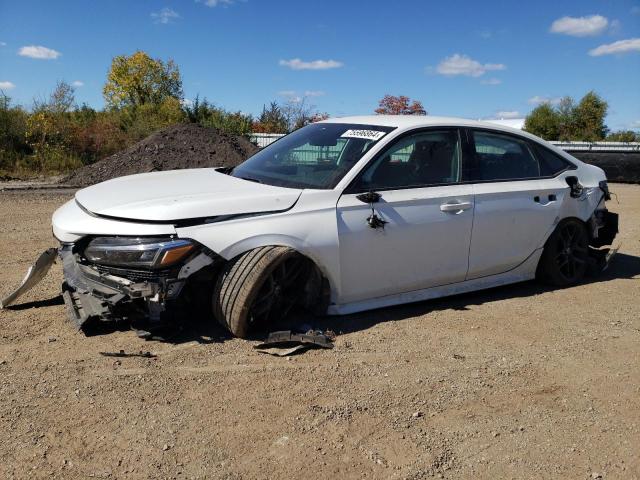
[515, 382]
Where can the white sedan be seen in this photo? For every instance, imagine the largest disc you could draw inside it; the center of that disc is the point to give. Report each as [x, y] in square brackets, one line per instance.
[341, 216]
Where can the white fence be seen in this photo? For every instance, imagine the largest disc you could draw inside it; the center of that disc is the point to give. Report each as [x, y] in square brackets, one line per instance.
[264, 139]
[599, 146]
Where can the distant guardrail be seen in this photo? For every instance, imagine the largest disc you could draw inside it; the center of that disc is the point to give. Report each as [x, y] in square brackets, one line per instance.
[264, 139]
[598, 146]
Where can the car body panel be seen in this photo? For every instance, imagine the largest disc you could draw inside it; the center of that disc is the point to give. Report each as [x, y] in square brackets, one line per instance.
[421, 246]
[71, 223]
[182, 194]
[511, 219]
[309, 227]
[523, 272]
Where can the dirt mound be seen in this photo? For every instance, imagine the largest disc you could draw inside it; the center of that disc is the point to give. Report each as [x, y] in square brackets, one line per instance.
[176, 147]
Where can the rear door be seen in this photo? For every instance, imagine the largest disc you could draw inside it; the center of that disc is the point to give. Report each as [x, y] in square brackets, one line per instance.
[429, 215]
[518, 196]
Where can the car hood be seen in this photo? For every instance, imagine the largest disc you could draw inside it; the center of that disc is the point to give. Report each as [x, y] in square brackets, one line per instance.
[183, 194]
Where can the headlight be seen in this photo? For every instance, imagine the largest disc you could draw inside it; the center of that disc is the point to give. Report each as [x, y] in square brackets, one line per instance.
[137, 252]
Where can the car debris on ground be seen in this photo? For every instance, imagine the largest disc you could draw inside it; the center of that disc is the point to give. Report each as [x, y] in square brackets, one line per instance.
[123, 354]
[286, 342]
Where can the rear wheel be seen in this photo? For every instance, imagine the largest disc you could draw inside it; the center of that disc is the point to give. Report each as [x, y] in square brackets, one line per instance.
[565, 258]
[260, 287]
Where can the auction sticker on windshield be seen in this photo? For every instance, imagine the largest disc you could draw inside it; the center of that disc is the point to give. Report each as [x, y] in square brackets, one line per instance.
[365, 134]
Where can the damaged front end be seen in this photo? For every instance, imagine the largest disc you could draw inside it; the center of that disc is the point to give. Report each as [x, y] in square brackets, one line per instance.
[603, 230]
[136, 280]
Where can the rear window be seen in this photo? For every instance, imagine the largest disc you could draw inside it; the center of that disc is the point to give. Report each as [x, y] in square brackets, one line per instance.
[550, 163]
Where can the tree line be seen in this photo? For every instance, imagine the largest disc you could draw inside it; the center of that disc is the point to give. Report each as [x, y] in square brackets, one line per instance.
[575, 121]
[143, 95]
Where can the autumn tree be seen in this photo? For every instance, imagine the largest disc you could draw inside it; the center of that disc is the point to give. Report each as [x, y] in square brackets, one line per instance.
[299, 113]
[138, 79]
[62, 99]
[392, 105]
[271, 120]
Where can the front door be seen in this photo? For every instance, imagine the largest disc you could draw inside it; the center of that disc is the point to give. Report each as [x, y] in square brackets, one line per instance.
[428, 214]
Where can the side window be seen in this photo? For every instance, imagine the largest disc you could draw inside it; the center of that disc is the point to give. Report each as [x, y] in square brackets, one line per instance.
[550, 163]
[502, 157]
[426, 158]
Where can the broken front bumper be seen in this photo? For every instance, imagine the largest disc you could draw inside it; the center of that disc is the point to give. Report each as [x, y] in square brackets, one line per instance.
[96, 294]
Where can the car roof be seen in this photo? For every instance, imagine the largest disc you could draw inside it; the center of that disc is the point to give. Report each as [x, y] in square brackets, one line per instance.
[416, 121]
[408, 122]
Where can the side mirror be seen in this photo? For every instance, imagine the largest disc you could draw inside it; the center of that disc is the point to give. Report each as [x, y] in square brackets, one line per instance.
[369, 197]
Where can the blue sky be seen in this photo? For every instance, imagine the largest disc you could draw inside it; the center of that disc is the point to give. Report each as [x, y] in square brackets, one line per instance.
[469, 59]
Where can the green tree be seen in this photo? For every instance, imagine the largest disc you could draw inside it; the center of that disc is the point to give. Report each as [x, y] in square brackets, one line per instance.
[145, 119]
[623, 136]
[543, 121]
[208, 115]
[13, 124]
[566, 119]
[138, 79]
[589, 116]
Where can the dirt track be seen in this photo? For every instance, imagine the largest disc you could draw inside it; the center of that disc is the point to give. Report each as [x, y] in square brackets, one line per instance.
[516, 382]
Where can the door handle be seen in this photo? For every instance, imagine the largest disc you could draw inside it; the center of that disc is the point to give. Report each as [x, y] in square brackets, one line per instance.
[551, 197]
[455, 207]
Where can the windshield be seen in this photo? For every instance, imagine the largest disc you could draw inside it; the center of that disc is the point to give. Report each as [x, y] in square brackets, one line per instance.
[315, 156]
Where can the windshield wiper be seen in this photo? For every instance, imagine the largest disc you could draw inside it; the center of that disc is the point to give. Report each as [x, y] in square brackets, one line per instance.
[251, 179]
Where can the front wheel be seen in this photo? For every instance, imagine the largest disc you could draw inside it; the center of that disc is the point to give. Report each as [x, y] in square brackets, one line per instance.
[565, 257]
[259, 287]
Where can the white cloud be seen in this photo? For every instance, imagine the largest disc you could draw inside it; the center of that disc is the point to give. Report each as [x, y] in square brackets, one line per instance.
[491, 81]
[165, 16]
[215, 3]
[186, 102]
[538, 100]
[39, 52]
[615, 26]
[77, 83]
[464, 65]
[293, 96]
[619, 47]
[297, 64]
[635, 10]
[3, 44]
[580, 26]
[6, 86]
[508, 114]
